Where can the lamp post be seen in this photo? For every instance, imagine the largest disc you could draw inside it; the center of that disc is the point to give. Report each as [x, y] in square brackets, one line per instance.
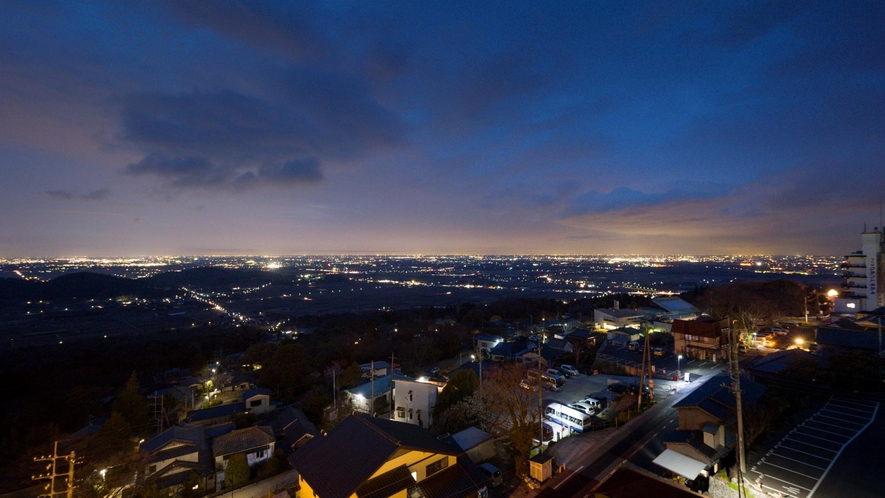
[678, 364]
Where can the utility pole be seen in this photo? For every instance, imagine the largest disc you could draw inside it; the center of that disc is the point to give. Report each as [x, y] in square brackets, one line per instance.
[540, 401]
[53, 474]
[735, 372]
[646, 366]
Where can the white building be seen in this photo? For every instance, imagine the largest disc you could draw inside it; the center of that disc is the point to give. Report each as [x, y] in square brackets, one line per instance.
[413, 402]
[863, 274]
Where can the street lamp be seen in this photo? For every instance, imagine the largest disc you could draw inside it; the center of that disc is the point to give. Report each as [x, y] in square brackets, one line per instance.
[678, 363]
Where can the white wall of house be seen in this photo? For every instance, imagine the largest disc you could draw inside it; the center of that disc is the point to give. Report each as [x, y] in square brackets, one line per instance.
[414, 402]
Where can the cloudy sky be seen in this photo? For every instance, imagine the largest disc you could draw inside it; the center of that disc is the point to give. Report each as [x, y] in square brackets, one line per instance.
[183, 127]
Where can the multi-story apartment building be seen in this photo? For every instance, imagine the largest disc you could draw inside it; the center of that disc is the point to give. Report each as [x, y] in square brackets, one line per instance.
[863, 274]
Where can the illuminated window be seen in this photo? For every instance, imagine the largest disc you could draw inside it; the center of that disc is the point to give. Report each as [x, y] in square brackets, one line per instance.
[850, 305]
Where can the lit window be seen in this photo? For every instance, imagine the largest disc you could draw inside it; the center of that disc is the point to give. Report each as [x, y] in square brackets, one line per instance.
[850, 305]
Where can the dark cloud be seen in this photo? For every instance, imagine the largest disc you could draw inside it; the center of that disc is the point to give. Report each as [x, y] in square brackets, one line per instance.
[95, 195]
[623, 199]
[228, 139]
[284, 27]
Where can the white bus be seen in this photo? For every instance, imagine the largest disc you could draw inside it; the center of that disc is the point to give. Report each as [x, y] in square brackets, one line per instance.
[569, 417]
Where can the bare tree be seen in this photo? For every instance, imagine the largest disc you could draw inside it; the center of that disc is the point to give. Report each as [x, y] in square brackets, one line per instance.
[518, 408]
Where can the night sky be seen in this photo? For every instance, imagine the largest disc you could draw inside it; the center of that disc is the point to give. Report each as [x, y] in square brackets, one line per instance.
[598, 127]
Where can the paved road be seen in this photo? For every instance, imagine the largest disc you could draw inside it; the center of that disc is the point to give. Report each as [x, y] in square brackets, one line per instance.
[592, 468]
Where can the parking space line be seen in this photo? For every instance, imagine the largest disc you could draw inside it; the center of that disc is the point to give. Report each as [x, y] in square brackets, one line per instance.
[828, 432]
[814, 420]
[800, 461]
[779, 492]
[812, 445]
[840, 420]
[813, 478]
[872, 417]
[800, 451]
[786, 482]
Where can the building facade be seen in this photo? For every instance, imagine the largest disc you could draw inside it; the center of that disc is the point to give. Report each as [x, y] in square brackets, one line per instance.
[863, 276]
[413, 402]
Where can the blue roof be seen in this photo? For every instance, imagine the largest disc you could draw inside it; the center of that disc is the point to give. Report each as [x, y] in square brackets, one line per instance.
[716, 398]
[215, 412]
[381, 386]
[256, 391]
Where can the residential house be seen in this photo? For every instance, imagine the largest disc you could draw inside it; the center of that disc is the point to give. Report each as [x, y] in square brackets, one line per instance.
[375, 369]
[483, 343]
[707, 426]
[368, 457]
[615, 318]
[175, 456]
[622, 336]
[845, 336]
[292, 429]
[702, 339]
[239, 382]
[413, 402]
[257, 443]
[771, 366]
[255, 401]
[553, 349]
[374, 396]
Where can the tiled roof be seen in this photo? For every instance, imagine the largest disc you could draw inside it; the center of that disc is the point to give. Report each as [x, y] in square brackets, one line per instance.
[717, 399]
[242, 440]
[387, 484]
[361, 444]
[216, 412]
[462, 479]
[186, 434]
[846, 338]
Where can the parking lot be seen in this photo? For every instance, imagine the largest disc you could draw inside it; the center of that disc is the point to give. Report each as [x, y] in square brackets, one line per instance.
[799, 462]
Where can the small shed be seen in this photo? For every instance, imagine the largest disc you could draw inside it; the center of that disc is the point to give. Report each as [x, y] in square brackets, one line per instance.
[541, 466]
[478, 444]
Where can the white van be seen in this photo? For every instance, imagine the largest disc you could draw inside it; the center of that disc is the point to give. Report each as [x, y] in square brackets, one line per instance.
[492, 473]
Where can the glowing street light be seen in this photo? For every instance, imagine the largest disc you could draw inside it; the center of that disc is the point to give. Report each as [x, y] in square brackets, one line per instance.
[678, 364]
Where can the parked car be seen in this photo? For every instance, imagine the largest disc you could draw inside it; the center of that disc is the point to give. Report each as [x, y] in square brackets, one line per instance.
[618, 388]
[584, 407]
[658, 351]
[529, 384]
[569, 369]
[779, 330]
[492, 473]
[553, 387]
[559, 371]
[596, 402]
[556, 375]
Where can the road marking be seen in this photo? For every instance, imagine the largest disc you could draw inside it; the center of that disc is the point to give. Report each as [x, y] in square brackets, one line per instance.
[769, 476]
[828, 432]
[821, 438]
[872, 417]
[806, 453]
[793, 472]
[809, 444]
[800, 461]
[817, 421]
[841, 419]
[569, 477]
